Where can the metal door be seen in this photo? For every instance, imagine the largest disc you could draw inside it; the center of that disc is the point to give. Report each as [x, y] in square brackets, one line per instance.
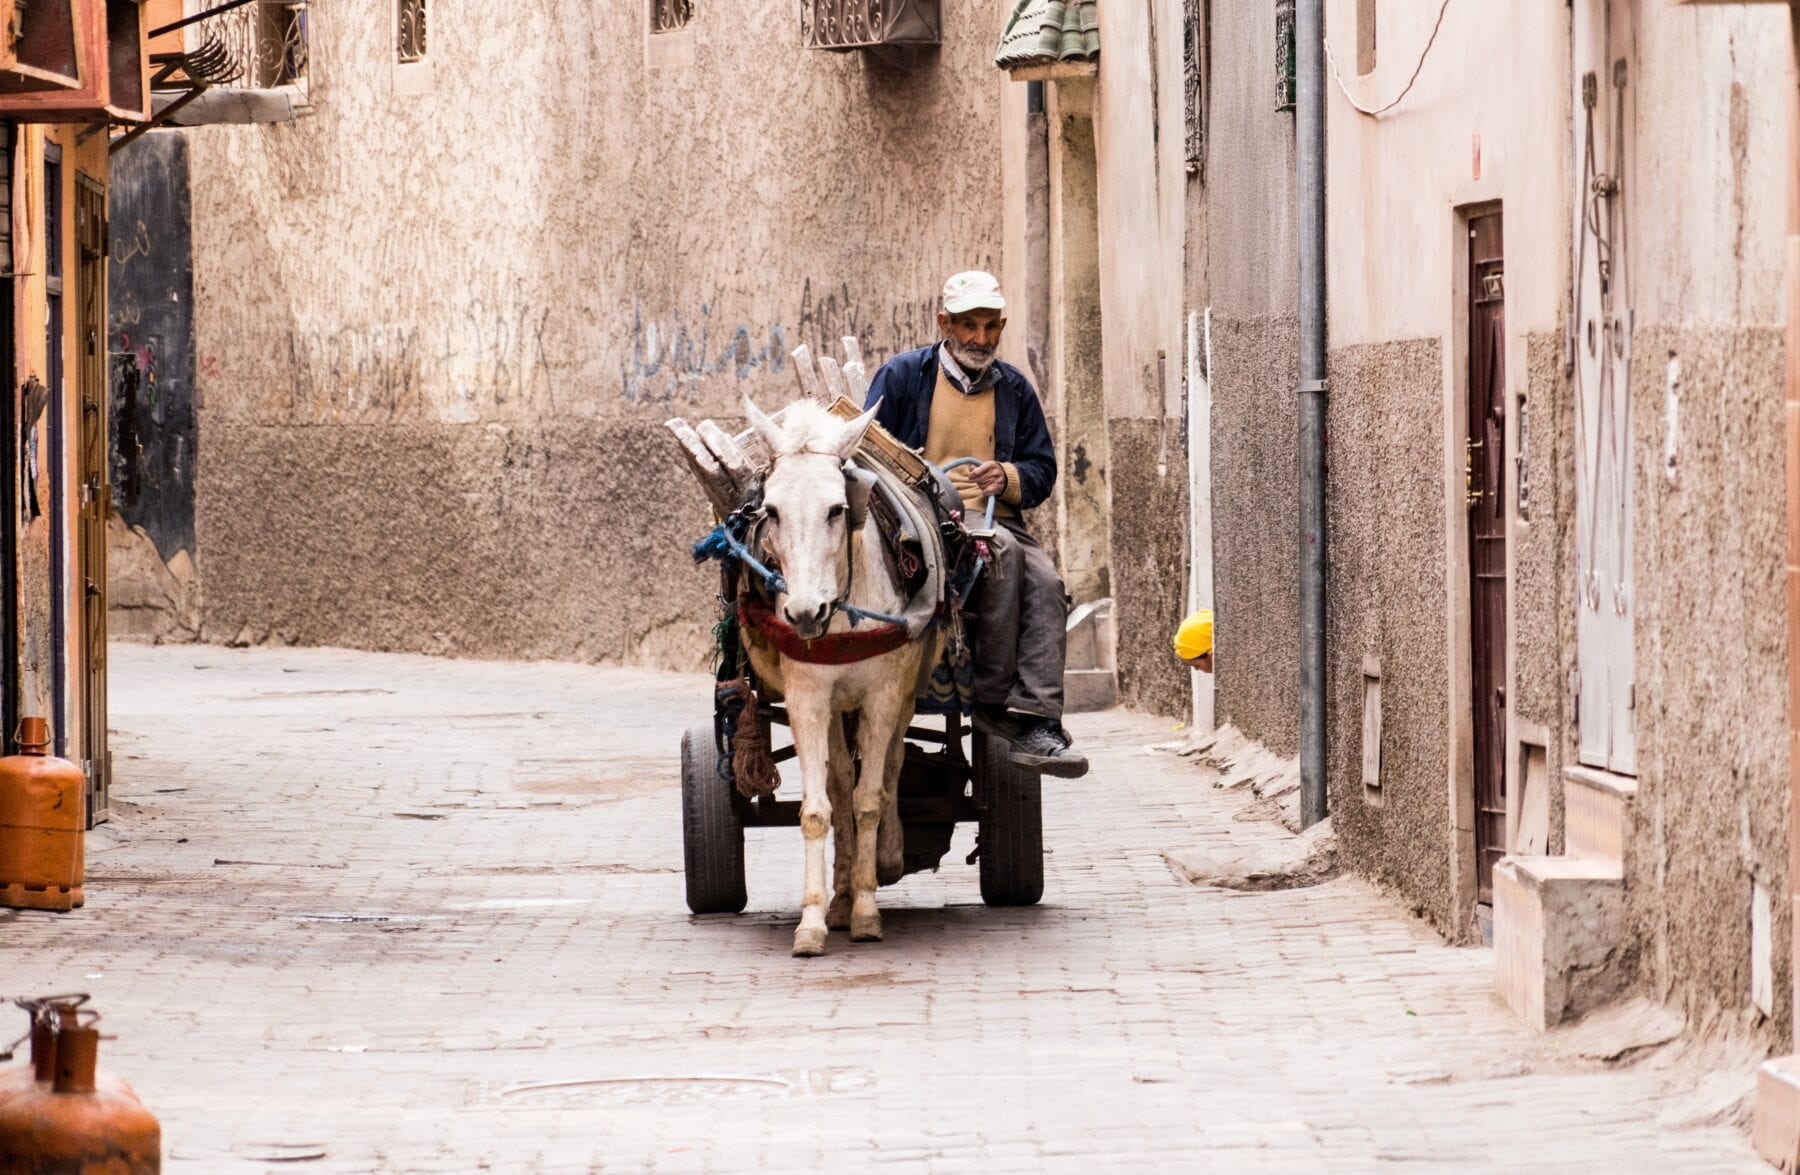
[1602, 327]
[1485, 494]
[96, 491]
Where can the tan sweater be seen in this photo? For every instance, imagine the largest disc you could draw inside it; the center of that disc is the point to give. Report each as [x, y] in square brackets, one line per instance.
[963, 426]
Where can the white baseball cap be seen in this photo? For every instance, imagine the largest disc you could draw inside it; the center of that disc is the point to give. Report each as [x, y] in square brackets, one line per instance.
[973, 290]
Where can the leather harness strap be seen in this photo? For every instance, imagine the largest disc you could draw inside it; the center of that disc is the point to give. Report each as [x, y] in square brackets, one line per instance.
[835, 648]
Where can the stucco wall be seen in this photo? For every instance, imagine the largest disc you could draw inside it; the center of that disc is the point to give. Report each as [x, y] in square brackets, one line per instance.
[1142, 188]
[1543, 554]
[438, 330]
[1385, 588]
[1712, 666]
[1704, 209]
[1250, 281]
[1711, 639]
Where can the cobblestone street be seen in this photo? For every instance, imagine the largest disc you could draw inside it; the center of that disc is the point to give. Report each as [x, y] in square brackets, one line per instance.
[363, 912]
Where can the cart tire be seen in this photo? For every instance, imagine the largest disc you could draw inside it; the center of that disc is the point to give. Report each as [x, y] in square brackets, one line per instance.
[1012, 827]
[712, 831]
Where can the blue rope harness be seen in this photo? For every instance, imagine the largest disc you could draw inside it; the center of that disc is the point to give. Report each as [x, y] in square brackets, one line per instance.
[723, 544]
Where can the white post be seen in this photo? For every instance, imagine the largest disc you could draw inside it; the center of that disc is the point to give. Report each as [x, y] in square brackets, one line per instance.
[1199, 446]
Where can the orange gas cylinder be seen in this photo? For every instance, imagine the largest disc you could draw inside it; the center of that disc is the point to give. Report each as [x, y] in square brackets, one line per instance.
[41, 825]
[41, 1068]
[83, 1122]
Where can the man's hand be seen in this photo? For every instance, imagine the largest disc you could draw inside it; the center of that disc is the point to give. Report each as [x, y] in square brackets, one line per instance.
[989, 477]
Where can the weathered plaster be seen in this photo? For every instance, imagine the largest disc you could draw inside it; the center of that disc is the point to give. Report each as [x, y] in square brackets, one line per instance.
[440, 323]
[1246, 269]
[1711, 810]
[1386, 601]
[1150, 572]
[1541, 619]
[1256, 535]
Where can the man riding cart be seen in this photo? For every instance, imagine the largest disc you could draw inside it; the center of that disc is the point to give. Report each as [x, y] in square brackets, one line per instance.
[953, 399]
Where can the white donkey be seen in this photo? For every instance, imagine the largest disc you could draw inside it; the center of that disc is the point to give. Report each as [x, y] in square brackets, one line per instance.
[807, 532]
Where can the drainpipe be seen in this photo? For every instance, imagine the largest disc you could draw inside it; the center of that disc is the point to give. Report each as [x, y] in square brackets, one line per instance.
[1791, 424]
[1309, 141]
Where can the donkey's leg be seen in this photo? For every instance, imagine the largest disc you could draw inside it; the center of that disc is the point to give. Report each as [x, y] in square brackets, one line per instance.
[809, 716]
[890, 840]
[843, 826]
[875, 740]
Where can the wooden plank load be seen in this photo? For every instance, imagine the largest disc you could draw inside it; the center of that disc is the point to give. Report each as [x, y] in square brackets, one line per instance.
[727, 466]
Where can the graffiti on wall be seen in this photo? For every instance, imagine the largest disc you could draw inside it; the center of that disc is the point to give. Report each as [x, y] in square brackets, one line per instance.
[667, 358]
[489, 356]
[152, 422]
[882, 330]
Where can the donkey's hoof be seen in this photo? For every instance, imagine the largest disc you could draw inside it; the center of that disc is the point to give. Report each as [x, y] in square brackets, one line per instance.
[809, 942]
[837, 916]
[865, 927]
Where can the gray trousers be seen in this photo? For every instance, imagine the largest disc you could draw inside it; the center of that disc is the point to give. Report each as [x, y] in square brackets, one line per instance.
[1021, 613]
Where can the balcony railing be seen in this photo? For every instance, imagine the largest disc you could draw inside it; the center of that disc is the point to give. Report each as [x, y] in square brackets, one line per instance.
[267, 39]
[870, 24]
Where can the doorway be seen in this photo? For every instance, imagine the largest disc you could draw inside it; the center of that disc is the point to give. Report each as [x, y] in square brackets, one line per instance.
[1485, 497]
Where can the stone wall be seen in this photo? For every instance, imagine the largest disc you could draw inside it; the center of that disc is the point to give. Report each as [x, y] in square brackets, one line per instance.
[441, 319]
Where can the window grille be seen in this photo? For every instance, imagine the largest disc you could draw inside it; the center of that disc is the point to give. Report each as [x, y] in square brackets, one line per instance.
[1193, 63]
[870, 24]
[667, 16]
[1284, 54]
[410, 43]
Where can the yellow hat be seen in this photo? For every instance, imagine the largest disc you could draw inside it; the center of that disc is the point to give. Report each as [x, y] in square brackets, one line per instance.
[1194, 637]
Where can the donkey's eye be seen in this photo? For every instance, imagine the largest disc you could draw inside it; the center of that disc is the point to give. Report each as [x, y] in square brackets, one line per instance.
[835, 513]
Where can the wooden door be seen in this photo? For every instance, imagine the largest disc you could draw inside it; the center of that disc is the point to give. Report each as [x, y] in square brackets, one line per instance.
[96, 491]
[1606, 697]
[1486, 500]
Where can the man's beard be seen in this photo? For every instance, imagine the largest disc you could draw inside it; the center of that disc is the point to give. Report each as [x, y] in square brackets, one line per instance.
[973, 359]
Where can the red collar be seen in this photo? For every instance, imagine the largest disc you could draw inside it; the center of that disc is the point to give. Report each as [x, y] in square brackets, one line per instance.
[837, 648]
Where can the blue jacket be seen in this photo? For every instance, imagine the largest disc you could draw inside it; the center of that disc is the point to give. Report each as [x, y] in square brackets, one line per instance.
[905, 384]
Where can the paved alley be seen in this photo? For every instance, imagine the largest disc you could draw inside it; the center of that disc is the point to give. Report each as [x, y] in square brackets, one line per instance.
[364, 912]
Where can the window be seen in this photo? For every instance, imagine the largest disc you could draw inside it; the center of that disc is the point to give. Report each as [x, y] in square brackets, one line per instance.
[666, 16]
[409, 41]
[1365, 36]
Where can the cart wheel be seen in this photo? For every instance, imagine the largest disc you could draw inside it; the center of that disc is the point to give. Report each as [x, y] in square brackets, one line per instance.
[712, 831]
[1012, 827]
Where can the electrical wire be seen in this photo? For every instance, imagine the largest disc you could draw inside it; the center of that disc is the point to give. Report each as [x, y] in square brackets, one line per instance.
[1378, 111]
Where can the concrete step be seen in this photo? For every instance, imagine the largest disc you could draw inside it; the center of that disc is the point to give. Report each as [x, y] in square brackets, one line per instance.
[1090, 643]
[1597, 814]
[1090, 681]
[1560, 943]
[1089, 689]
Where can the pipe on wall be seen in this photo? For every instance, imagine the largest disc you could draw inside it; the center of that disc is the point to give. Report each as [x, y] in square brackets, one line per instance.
[1309, 135]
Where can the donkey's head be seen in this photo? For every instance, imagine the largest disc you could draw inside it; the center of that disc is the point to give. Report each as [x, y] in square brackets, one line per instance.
[812, 500]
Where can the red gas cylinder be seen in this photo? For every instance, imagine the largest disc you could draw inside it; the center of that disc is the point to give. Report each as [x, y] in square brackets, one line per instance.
[42, 819]
[83, 1122]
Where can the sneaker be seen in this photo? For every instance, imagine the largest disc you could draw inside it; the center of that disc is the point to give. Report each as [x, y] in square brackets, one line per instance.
[1043, 745]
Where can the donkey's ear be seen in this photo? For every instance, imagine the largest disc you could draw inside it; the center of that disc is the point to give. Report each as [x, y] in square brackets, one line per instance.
[854, 430]
[765, 427]
[858, 485]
